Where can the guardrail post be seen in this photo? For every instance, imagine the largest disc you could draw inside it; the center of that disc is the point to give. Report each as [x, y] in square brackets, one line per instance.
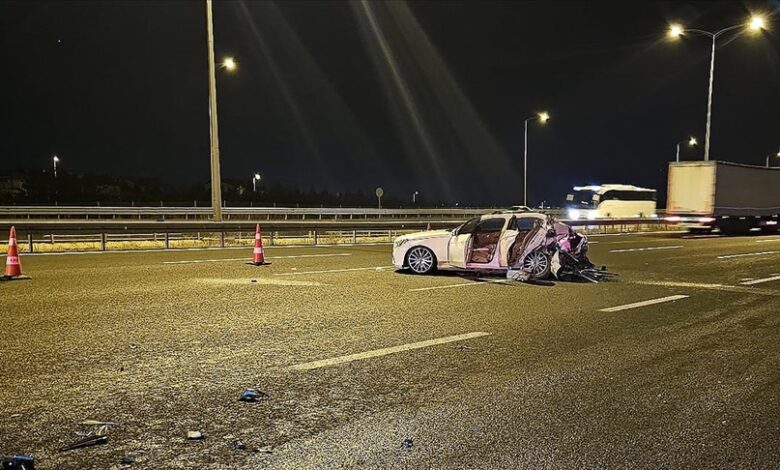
[222, 239]
[51, 238]
[354, 236]
[271, 240]
[30, 243]
[314, 236]
[166, 241]
[102, 242]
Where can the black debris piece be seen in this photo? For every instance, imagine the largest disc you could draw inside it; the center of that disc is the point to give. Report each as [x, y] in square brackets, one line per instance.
[86, 442]
[17, 462]
[407, 443]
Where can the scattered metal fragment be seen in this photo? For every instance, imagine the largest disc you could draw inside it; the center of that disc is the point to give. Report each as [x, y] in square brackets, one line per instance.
[86, 442]
[126, 460]
[407, 443]
[194, 435]
[239, 445]
[92, 422]
[251, 395]
[133, 346]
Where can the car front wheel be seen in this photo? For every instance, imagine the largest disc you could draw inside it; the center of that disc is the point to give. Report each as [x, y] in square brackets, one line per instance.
[421, 260]
[537, 263]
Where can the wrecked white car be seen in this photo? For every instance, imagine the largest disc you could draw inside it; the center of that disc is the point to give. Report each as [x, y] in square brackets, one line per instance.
[522, 245]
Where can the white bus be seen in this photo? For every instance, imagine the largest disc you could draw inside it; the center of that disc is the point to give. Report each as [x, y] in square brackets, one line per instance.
[615, 201]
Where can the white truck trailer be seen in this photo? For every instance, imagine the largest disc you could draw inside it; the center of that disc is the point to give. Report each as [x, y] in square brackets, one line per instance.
[731, 197]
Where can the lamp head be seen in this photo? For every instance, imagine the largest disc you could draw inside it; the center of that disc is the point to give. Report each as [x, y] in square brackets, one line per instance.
[676, 30]
[693, 142]
[229, 63]
[543, 117]
[757, 23]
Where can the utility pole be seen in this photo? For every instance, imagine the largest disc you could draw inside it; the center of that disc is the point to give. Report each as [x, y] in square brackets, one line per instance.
[216, 180]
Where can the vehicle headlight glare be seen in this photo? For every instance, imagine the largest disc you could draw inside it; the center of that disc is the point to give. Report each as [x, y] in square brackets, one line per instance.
[574, 214]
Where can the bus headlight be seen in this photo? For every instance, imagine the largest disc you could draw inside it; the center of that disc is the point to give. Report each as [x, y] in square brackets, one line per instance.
[574, 214]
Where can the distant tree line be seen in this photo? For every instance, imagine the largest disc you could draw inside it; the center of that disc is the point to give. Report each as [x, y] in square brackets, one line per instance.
[38, 187]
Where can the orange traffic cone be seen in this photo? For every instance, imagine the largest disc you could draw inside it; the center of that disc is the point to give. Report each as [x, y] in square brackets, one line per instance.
[13, 269]
[258, 258]
[428, 227]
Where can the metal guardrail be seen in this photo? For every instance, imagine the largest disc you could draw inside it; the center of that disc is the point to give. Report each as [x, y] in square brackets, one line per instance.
[229, 213]
[107, 233]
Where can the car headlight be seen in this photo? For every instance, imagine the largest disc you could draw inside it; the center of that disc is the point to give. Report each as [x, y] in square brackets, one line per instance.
[574, 214]
[400, 241]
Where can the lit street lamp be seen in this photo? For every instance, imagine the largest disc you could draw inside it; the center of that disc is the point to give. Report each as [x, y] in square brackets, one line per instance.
[414, 197]
[229, 64]
[55, 160]
[255, 179]
[542, 117]
[692, 142]
[756, 23]
[770, 156]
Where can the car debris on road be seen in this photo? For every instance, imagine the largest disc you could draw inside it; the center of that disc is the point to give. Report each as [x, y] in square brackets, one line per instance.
[251, 395]
[17, 462]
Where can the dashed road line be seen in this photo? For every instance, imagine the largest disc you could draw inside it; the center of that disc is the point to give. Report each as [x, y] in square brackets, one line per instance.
[760, 281]
[649, 248]
[742, 255]
[385, 351]
[644, 303]
[371, 268]
[216, 260]
[768, 240]
[700, 285]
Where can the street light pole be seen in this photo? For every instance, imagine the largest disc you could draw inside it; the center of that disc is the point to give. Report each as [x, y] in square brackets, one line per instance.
[768, 157]
[709, 101]
[756, 23]
[691, 143]
[542, 118]
[55, 160]
[216, 180]
[255, 179]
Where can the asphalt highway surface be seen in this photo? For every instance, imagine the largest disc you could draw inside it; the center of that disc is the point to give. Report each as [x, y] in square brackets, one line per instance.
[675, 365]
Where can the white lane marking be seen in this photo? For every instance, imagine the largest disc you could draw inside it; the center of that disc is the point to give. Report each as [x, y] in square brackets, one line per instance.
[759, 281]
[480, 282]
[628, 234]
[372, 268]
[720, 287]
[683, 284]
[385, 351]
[649, 248]
[768, 240]
[216, 260]
[645, 303]
[742, 255]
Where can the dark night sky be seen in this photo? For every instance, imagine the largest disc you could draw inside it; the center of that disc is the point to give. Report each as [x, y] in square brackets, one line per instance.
[121, 88]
